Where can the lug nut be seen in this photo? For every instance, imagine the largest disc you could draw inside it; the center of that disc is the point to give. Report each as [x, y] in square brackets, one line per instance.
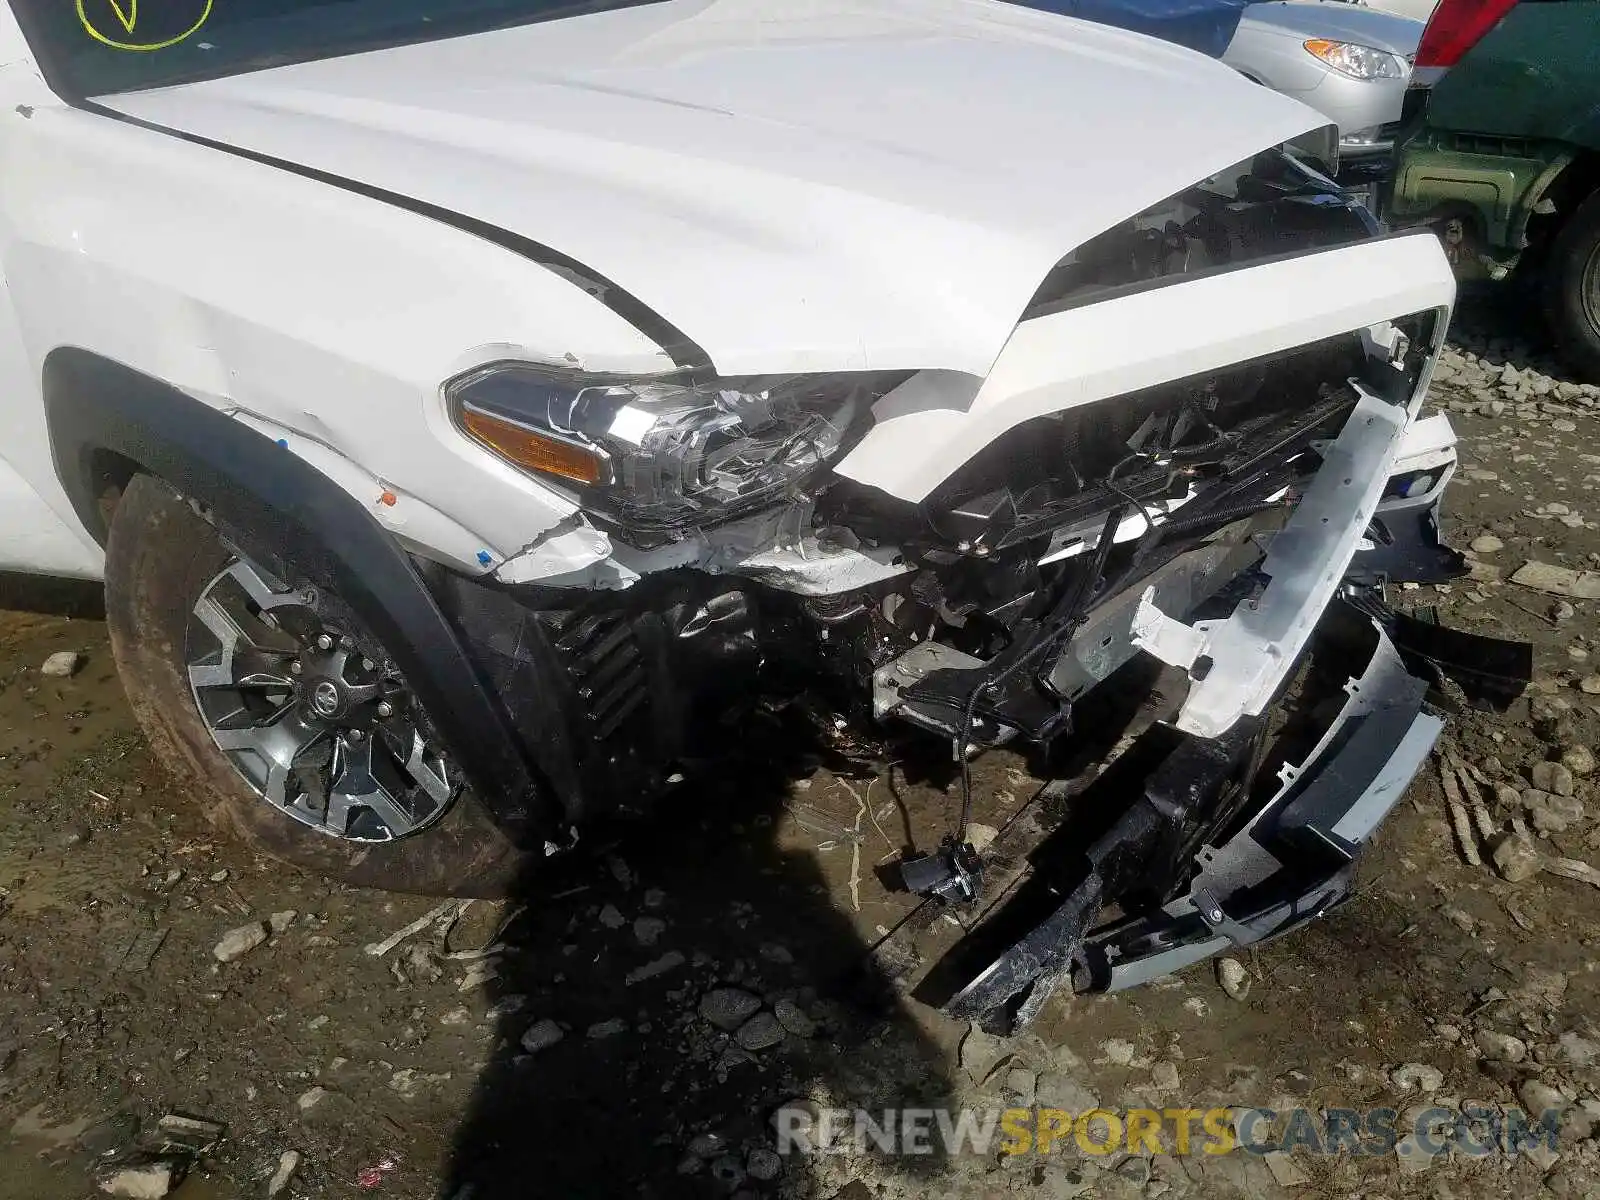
[296, 667]
[368, 665]
[385, 709]
[357, 735]
[324, 642]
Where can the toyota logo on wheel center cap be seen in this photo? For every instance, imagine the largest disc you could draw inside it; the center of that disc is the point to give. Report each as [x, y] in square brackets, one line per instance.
[325, 698]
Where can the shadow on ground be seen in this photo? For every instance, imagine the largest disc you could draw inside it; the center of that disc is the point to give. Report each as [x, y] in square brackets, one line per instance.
[75, 598]
[643, 1095]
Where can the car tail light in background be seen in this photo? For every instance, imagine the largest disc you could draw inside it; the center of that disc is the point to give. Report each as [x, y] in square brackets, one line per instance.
[1456, 27]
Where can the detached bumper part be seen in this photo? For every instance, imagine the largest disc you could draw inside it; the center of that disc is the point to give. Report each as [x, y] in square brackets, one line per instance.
[1295, 860]
[1292, 861]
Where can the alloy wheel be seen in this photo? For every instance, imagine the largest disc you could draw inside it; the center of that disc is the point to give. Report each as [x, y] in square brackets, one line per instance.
[320, 725]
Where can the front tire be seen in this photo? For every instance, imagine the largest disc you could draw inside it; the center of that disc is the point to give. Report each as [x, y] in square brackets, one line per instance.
[161, 559]
[1572, 290]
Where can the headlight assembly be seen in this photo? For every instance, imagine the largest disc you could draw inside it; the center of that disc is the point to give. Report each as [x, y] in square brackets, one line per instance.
[658, 454]
[1358, 62]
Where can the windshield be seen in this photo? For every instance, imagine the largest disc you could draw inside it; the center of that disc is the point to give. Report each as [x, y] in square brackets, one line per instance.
[94, 47]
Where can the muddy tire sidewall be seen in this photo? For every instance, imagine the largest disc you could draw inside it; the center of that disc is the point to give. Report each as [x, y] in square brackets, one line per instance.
[159, 558]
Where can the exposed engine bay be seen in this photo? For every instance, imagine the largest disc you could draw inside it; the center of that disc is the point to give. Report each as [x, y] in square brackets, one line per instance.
[1208, 519]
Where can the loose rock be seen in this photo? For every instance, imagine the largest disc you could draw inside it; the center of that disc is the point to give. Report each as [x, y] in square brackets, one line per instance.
[1056, 1090]
[1417, 1077]
[1559, 581]
[981, 1052]
[1578, 759]
[728, 1008]
[1233, 978]
[417, 963]
[647, 930]
[279, 922]
[1556, 814]
[605, 1029]
[1577, 1051]
[760, 1032]
[793, 1018]
[1552, 777]
[236, 943]
[310, 1099]
[763, 1164]
[1023, 1084]
[147, 1181]
[670, 961]
[1500, 1047]
[63, 664]
[408, 1082]
[1486, 543]
[1285, 1170]
[288, 1164]
[1538, 1097]
[1516, 858]
[541, 1035]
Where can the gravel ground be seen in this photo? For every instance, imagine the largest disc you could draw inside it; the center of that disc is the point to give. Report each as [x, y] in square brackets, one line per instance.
[629, 1024]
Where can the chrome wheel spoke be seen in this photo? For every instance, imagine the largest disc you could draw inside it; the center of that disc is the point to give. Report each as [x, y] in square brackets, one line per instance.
[258, 589]
[355, 787]
[280, 740]
[429, 776]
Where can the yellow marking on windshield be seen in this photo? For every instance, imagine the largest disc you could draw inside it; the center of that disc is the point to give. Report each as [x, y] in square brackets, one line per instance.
[126, 13]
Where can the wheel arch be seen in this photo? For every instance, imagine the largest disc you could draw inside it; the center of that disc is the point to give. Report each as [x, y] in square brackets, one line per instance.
[108, 422]
[1566, 189]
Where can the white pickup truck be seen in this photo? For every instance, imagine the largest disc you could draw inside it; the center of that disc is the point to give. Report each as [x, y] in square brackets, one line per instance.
[461, 400]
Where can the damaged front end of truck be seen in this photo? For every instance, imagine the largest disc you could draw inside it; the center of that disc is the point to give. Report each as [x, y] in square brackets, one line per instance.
[1200, 448]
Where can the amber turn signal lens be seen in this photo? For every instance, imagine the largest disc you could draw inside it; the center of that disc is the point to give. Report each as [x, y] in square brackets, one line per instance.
[535, 450]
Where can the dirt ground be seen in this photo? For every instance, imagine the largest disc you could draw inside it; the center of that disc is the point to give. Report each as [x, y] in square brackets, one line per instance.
[406, 1074]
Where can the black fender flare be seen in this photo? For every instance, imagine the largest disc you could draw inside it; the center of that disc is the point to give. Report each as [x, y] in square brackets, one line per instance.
[275, 503]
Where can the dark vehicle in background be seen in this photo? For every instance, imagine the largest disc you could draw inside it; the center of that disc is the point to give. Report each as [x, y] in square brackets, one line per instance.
[1501, 152]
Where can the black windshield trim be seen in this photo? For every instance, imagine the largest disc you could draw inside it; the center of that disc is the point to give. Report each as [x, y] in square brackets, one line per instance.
[60, 77]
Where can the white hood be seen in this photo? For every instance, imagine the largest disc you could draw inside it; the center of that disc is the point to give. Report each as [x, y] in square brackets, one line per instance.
[794, 184]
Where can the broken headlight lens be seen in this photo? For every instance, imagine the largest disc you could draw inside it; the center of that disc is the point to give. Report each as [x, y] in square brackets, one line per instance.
[660, 453]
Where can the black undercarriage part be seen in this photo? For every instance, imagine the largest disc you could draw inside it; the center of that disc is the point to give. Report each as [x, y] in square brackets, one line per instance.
[1216, 848]
[1195, 775]
[954, 872]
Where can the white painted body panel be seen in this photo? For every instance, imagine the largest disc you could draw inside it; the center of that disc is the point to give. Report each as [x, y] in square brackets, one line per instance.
[34, 537]
[933, 424]
[325, 315]
[797, 186]
[684, 149]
